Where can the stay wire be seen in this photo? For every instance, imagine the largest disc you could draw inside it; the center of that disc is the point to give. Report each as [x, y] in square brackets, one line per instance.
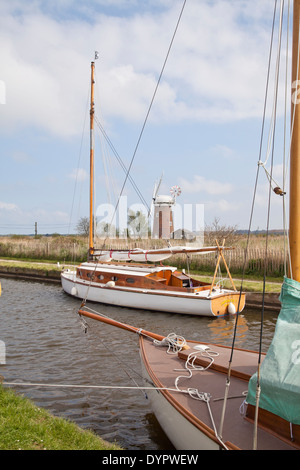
[249, 228]
[121, 162]
[270, 187]
[258, 386]
[124, 366]
[150, 107]
[257, 172]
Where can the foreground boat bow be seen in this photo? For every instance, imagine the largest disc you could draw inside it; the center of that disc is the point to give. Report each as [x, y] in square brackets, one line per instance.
[188, 392]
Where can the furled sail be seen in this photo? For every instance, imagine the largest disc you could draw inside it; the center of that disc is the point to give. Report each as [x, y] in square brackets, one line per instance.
[154, 255]
[280, 370]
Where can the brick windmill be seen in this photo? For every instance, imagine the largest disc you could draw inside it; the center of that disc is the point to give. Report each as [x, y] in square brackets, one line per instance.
[163, 223]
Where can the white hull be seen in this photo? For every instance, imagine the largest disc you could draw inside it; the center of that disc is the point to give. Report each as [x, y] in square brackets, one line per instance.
[158, 300]
[189, 304]
[180, 431]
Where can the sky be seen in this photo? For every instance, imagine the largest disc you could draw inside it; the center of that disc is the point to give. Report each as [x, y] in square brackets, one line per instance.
[203, 130]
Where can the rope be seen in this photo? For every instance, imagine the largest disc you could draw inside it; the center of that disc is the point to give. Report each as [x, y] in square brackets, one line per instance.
[227, 386]
[109, 387]
[176, 343]
[173, 342]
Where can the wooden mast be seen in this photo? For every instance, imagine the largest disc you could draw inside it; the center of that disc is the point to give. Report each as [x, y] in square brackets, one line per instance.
[294, 229]
[92, 112]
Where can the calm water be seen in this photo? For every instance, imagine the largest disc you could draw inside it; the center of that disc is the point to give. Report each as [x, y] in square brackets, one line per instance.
[45, 343]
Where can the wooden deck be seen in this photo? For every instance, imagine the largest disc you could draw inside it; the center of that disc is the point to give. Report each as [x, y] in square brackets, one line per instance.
[164, 369]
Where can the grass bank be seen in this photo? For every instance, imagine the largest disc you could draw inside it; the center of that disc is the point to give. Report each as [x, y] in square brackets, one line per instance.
[249, 284]
[46, 269]
[24, 426]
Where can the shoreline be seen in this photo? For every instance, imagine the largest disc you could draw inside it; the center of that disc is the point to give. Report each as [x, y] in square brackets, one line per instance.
[43, 274]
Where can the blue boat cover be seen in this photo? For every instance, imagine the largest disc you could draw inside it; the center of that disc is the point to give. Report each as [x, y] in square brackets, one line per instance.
[280, 370]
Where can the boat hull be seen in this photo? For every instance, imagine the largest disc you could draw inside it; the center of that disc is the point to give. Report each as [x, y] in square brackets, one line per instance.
[180, 431]
[180, 406]
[190, 304]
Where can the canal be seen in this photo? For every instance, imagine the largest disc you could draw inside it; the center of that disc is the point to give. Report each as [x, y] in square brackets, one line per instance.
[46, 344]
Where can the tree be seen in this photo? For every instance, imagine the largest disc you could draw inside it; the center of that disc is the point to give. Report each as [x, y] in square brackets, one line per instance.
[218, 232]
[83, 226]
[137, 224]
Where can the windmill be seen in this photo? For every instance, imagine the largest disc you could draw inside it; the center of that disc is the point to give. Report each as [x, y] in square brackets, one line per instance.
[163, 224]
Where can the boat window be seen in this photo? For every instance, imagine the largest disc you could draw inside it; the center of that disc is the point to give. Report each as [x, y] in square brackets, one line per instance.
[130, 280]
[100, 277]
[114, 278]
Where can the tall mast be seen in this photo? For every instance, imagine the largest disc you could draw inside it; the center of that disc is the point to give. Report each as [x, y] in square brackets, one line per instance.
[92, 112]
[294, 229]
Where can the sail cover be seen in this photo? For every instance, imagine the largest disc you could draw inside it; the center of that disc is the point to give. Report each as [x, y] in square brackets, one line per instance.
[280, 370]
[153, 255]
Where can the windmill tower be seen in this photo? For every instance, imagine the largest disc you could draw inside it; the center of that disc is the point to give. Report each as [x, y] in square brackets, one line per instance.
[163, 224]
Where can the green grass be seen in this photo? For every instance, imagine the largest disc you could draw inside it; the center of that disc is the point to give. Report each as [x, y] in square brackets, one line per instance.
[39, 265]
[248, 285]
[24, 426]
[251, 282]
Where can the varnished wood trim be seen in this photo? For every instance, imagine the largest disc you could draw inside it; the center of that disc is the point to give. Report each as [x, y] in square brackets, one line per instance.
[200, 425]
[275, 425]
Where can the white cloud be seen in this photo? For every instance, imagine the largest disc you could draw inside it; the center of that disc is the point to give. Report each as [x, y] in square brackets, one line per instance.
[222, 151]
[79, 174]
[202, 185]
[208, 76]
[21, 157]
[7, 206]
[221, 206]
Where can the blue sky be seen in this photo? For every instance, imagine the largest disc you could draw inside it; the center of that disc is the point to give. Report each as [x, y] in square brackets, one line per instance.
[203, 131]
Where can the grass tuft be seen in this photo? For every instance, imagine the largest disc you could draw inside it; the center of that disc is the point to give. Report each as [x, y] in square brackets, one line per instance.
[24, 426]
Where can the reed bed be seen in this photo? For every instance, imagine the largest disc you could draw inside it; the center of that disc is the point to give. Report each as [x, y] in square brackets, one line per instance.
[74, 249]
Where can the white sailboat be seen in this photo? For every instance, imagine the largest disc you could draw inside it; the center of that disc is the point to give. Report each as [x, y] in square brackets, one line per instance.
[125, 277]
[208, 396]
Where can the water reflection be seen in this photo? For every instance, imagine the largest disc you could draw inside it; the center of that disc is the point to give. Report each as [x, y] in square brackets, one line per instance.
[222, 330]
[45, 343]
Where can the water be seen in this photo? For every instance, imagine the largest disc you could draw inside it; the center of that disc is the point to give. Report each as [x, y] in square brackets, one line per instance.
[45, 343]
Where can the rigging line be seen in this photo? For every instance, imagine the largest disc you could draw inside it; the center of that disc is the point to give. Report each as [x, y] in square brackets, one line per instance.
[272, 165]
[284, 143]
[273, 117]
[249, 228]
[258, 169]
[258, 387]
[113, 387]
[79, 157]
[142, 333]
[122, 364]
[121, 162]
[150, 106]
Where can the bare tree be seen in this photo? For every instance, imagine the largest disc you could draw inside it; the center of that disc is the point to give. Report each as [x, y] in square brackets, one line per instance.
[83, 226]
[215, 231]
